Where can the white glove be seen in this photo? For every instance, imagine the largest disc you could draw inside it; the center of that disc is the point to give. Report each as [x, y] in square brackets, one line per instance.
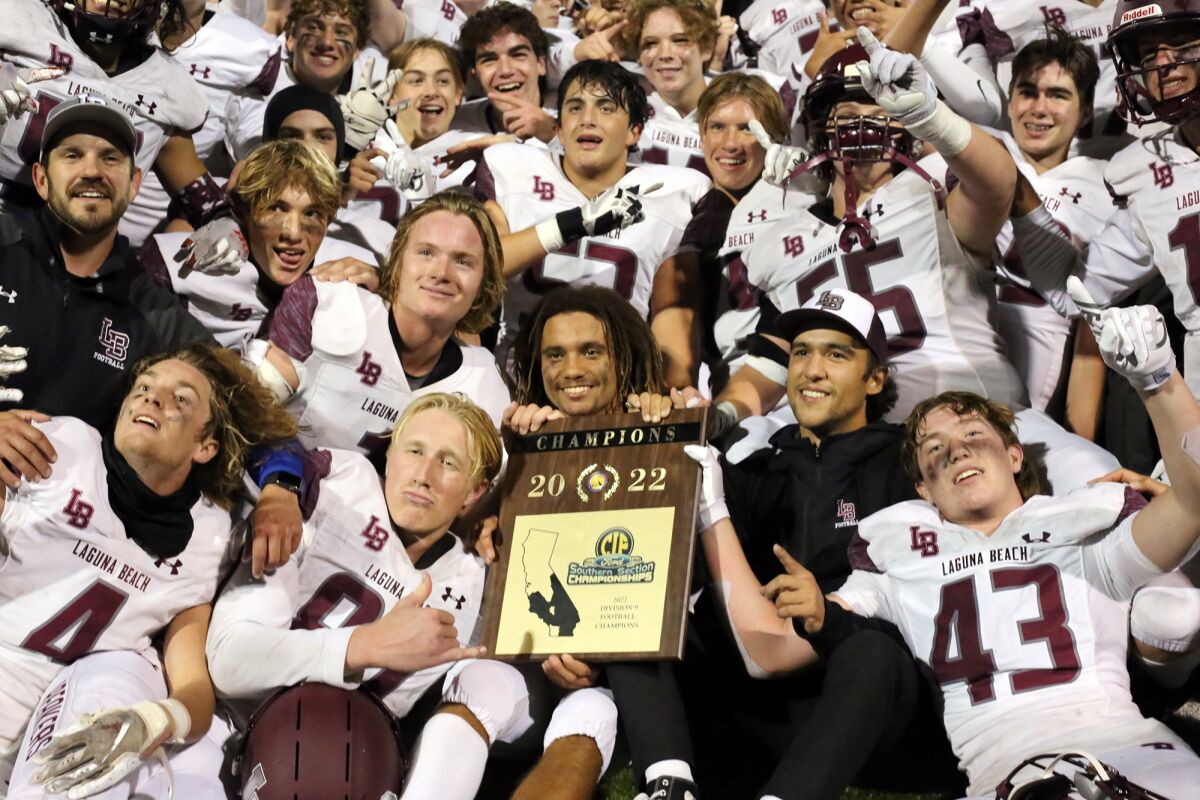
[902, 88]
[1133, 341]
[218, 248]
[15, 95]
[100, 749]
[614, 209]
[365, 107]
[781, 159]
[12, 361]
[408, 171]
[712, 484]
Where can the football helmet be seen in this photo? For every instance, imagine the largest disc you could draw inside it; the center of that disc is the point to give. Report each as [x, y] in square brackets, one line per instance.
[1091, 779]
[852, 138]
[1135, 20]
[316, 740]
[121, 20]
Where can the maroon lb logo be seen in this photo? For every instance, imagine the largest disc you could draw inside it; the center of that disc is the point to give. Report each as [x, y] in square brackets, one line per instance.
[369, 370]
[79, 513]
[374, 535]
[543, 189]
[924, 542]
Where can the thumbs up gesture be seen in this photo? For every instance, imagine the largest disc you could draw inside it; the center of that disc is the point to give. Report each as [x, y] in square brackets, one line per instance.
[796, 594]
[409, 637]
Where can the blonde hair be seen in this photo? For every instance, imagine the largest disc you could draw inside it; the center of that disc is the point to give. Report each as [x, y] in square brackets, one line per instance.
[401, 53]
[768, 108]
[698, 18]
[284, 164]
[483, 443]
[491, 288]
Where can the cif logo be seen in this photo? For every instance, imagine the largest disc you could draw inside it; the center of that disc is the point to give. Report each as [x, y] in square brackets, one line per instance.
[614, 542]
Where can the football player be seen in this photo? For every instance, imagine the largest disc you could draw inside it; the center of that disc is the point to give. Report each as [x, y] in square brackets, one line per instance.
[125, 539]
[98, 47]
[387, 552]
[587, 218]
[1029, 640]
[347, 361]
[287, 193]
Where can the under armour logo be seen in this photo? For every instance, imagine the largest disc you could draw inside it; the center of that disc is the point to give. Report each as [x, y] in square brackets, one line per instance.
[793, 246]
[762, 216]
[100, 38]
[878, 212]
[543, 189]
[1163, 176]
[1028, 539]
[115, 343]
[846, 512]
[60, 59]
[174, 565]
[203, 71]
[12, 296]
[369, 370]
[239, 314]
[924, 542]
[376, 537]
[448, 10]
[458, 601]
[779, 16]
[1054, 16]
[79, 513]
[1063, 192]
[141, 102]
[830, 301]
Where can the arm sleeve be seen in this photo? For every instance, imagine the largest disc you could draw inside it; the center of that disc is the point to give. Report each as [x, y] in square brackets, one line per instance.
[1048, 257]
[291, 327]
[173, 325]
[971, 92]
[251, 646]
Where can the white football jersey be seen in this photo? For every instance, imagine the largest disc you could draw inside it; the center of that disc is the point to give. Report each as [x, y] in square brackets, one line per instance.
[1009, 25]
[937, 303]
[350, 569]
[352, 385]
[1036, 335]
[1156, 181]
[228, 57]
[158, 94]
[1025, 630]
[784, 30]
[74, 583]
[670, 138]
[438, 19]
[529, 185]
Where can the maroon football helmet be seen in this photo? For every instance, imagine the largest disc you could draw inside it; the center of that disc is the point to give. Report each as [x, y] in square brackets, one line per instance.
[121, 20]
[316, 740]
[1091, 779]
[852, 138]
[1141, 20]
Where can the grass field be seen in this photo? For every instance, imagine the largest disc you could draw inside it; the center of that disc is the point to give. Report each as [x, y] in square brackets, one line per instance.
[619, 785]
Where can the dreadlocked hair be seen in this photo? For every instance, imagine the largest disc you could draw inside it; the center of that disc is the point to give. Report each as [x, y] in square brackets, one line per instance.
[243, 414]
[631, 345]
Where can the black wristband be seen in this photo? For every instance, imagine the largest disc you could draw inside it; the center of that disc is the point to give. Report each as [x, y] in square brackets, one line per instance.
[839, 625]
[284, 480]
[570, 224]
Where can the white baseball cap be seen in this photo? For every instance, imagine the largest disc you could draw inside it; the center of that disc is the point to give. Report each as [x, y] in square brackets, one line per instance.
[837, 309]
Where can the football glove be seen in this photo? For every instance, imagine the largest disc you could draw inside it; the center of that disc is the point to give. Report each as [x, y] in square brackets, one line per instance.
[614, 209]
[15, 95]
[218, 248]
[408, 171]
[12, 361]
[365, 107]
[100, 749]
[781, 159]
[1133, 341]
[712, 484]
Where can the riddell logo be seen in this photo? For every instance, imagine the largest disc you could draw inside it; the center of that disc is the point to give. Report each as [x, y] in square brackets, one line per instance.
[1152, 10]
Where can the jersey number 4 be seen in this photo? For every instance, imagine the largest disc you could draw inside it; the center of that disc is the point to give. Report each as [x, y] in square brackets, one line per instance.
[958, 620]
[74, 631]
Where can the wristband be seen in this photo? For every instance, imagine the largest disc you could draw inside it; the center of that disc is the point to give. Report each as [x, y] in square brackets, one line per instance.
[838, 626]
[946, 131]
[274, 459]
[201, 201]
[181, 720]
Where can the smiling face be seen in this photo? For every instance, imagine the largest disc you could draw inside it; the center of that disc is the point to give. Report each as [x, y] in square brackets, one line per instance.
[162, 420]
[1045, 112]
[285, 237]
[967, 471]
[594, 129]
[441, 269]
[323, 48]
[671, 58]
[1160, 54]
[578, 371]
[506, 64]
[428, 83]
[733, 157]
[428, 480]
[87, 181]
[828, 381]
[853, 13]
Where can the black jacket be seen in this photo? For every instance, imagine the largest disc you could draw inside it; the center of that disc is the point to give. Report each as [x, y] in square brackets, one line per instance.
[82, 333]
[810, 499]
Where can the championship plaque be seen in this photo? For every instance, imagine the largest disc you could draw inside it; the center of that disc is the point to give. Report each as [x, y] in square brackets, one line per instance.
[597, 527]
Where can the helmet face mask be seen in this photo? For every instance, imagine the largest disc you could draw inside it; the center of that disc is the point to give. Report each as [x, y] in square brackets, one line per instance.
[112, 21]
[1090, 778]
[1177, 29]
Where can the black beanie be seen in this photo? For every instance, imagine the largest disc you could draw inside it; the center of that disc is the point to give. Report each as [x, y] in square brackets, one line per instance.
[302, 98]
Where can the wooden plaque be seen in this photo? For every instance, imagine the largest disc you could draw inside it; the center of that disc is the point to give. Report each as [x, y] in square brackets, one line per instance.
[597, 532]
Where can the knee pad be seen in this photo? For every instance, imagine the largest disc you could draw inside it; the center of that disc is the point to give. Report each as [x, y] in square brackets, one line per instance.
[586, 712]
[494, 692]
[1166, 614]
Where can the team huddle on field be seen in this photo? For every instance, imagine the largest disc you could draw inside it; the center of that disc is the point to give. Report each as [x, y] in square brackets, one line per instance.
[281, 282]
